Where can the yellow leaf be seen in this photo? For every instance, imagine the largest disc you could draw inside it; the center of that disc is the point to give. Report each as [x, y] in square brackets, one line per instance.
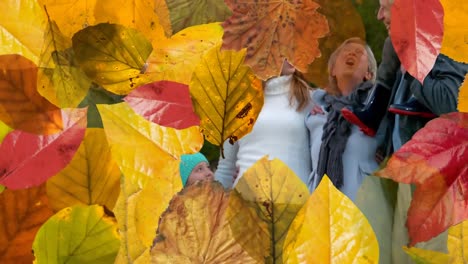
[463, 96]
[423, 256]
[92, 177]
[78, 234]
[22, 25]
[330, 229]
[59, 79]
[454, 43]
[226, 95]
[137, 211]
[175, 58]
[194, 229]
[113, 56]
[457, 244]
[72, 16]
[143, 149]
[4, 130]
[276, 194]
[162, 11]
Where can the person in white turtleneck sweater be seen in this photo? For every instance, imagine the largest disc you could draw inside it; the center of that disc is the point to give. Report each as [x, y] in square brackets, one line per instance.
[279, 131]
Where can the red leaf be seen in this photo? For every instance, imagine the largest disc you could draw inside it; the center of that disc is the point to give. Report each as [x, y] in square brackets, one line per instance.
[417, 31]
[165, 103]
[28, 159]
[436, 161]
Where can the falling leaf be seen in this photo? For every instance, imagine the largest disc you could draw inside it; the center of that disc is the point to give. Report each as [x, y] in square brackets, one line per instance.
[21, 106]
[143, 149]
[272, 31]
[113, 56]
[344, 22]
[29, 159]
[17, 18]
[23, 212]
[4, 130]
[226, 95]
[457, 247]
[455, 39]
[175, 58]
[463, 96]
[417, 34]
[194, 229]
[435, 161]
[137, 211]
[330, 228]
[60, 80]
[186, 13]
[91, 177]
[165, 103]
[78, 234]
[277, 194]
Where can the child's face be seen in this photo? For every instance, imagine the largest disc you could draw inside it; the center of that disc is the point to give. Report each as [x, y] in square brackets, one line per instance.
[201, 172]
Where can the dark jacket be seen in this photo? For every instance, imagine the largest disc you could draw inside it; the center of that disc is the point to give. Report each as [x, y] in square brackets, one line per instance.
[439, 93]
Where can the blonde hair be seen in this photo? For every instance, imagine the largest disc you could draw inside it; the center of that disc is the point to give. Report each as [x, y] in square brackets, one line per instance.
[332, 87]
[299, 92]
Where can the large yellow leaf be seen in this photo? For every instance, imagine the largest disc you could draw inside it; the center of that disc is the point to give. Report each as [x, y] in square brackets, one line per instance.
[22, 25]
[226, 95]
[344, 22]
[454, 43]
[330, 229]
[463, 96]
[92, 176]
[22, 213]
[276, 194]
[457, 244]
[112, 55]
[175, 58]
[143, 149]
[72, 16]
[162, 12]
[194, 229]
[59, 79]
[137, 212]
[78, 234]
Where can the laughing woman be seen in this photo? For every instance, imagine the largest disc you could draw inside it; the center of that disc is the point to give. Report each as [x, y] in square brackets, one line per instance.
[338, 148]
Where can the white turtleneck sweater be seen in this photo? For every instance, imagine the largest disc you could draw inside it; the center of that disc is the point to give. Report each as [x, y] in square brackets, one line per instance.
[279, 132]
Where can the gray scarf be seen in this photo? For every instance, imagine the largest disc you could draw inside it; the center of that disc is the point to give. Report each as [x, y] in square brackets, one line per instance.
[336, 132]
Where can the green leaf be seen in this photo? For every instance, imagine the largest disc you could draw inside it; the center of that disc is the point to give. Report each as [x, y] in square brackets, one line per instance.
[112, 55]
[79, 234]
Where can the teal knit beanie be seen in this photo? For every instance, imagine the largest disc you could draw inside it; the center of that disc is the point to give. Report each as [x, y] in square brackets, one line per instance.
[188, 163]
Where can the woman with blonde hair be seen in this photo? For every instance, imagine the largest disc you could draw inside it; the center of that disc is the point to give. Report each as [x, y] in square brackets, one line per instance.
[338, 148]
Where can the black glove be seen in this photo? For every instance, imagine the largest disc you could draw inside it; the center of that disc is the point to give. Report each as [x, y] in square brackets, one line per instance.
[388, 68]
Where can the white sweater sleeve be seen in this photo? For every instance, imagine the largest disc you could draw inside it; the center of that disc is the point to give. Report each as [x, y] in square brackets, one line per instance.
[227, 166]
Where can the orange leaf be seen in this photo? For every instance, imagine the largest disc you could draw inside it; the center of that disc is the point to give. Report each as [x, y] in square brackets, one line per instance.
[436, 161]
[23, 212]
[463, 96]
[273, 31]
[21, 106]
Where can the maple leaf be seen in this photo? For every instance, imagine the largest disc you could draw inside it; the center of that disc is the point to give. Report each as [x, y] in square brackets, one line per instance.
[416, 34]
[435, 160]
[272, 31]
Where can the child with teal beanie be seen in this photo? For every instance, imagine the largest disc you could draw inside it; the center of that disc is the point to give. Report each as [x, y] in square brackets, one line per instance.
[194, 167]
